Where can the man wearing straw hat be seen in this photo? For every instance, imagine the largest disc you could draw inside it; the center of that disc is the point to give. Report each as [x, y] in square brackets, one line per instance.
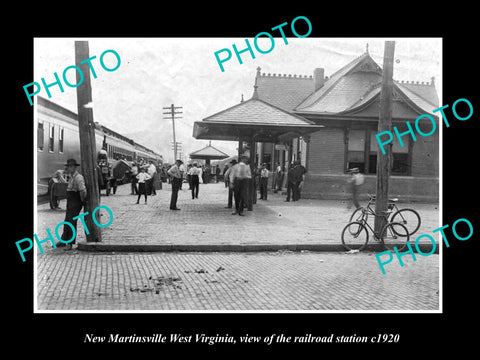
[76, 194]
[355, 181]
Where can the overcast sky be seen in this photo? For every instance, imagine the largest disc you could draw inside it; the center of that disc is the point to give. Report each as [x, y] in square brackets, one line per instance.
[156, 72]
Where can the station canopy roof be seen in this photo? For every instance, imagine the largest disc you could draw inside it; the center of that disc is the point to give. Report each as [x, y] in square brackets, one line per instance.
[208, 152]
[253, 118]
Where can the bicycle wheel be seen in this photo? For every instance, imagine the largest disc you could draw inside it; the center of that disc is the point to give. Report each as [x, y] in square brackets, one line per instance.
[395, 235]
[357, 215]
[408, 217]
[354, 236]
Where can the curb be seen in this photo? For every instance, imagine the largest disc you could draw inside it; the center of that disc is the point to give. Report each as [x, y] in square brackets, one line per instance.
[99, 247]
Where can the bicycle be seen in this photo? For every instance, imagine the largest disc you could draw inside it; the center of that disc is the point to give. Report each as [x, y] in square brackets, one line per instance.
[408, 217]
[355, 234]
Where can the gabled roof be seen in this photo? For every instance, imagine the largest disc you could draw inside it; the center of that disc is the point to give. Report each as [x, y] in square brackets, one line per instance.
[359, 83]
[208, 152]
[345, 87]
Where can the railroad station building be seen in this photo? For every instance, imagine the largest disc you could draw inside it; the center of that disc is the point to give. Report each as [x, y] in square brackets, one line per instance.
[337, 118]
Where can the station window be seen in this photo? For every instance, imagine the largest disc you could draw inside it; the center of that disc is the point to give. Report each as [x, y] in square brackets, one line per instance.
[400, 158]
[356, 150]
[357, 144]
[40, 136]
[60, 140]
[51, 138]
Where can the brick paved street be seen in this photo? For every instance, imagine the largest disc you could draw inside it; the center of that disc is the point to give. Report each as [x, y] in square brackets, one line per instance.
[283, 280]
[233, 281]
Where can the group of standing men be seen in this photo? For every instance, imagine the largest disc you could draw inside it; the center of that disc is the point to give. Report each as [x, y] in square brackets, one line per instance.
[144, 176]
[238, 177]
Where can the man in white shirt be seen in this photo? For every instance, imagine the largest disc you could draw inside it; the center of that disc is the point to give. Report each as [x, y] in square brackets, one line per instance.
[226, 176]
[239, 176]
[176, 176]
[356, 181]
[264, 182]
[195, 174]
[151, 170]
[181, 167]
[76, 195]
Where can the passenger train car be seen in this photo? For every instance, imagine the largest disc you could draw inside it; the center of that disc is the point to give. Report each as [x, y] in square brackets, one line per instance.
[58, 140]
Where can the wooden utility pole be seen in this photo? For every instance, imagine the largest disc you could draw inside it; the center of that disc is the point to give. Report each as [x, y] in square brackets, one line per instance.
[384, 124]
[172, 113]
[88, 149]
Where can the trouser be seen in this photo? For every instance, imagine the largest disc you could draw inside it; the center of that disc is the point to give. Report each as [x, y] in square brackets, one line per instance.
[279, 182]
[176, 182]
[134, 185]
[195, 185]
[291, 191]
[296, 191]
[355, 196]
[150, 187]
[263, 188]
[142, 189]
[240, 194]
[230, 197]
[74, 206]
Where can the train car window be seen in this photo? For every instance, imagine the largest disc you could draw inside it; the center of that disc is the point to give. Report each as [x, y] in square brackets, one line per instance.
[51, 144]
[60, 140]
[40, 136]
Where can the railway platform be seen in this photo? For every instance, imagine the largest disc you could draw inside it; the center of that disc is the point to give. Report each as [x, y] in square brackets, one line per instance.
[206, 225]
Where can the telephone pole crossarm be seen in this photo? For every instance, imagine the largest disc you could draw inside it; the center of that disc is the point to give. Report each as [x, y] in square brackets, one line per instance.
[172, 114]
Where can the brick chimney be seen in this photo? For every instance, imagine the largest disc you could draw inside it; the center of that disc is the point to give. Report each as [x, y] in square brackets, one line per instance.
[318, 77]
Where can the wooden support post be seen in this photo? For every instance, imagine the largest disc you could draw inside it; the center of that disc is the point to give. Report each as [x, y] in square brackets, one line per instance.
[240, 147]
[88, 150]
[290, 152]
[252, 194]
[384, 124]
[272, 165]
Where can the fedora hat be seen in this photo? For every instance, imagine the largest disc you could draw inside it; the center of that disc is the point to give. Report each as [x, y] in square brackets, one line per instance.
[72, 162]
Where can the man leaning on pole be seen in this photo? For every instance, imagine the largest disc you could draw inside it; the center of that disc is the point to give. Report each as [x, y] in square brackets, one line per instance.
[76, 194]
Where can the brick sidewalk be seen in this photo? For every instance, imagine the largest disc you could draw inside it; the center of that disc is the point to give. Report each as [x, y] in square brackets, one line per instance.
[75, 280]
[206, 221]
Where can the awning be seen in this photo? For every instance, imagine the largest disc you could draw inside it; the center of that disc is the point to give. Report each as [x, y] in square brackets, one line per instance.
[255, 119]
